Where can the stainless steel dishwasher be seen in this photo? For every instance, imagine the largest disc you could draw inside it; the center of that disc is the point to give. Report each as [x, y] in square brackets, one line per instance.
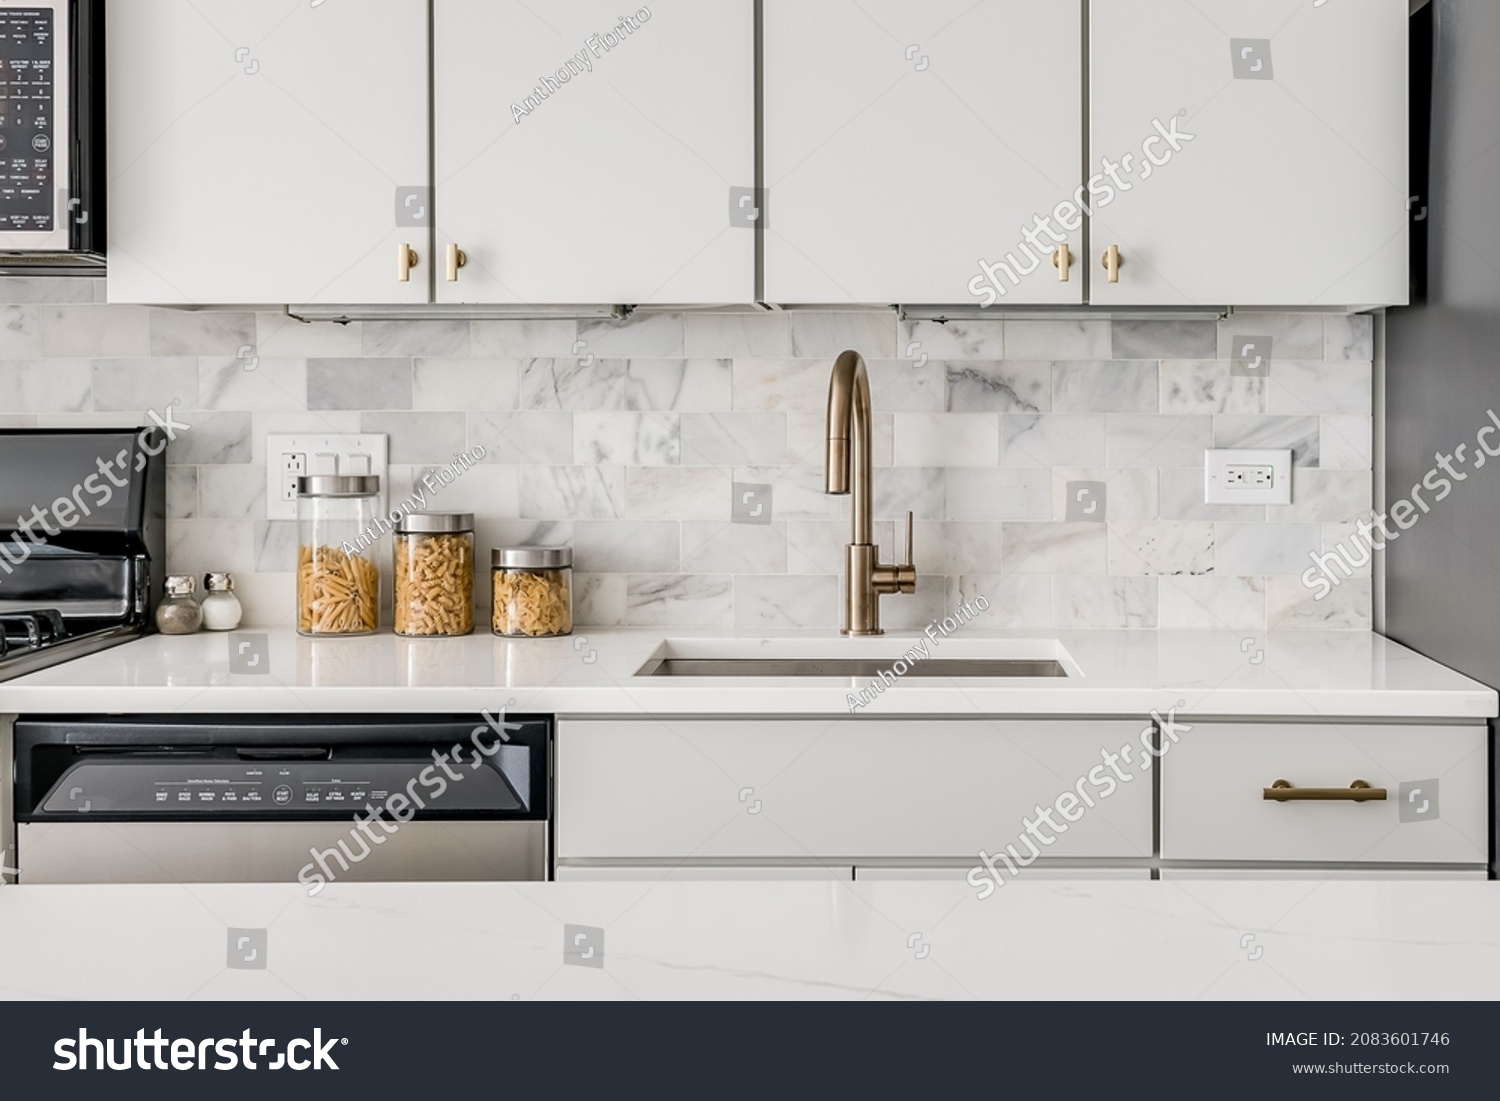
[317, 799]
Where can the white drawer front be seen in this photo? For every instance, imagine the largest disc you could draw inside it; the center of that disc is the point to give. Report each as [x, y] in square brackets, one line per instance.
[699, 873]
[840, 789]
[1213, 808]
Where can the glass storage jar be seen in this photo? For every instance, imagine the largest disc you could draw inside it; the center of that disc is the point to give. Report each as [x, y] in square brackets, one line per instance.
[434, 574]
[338, 584]
[533, 591]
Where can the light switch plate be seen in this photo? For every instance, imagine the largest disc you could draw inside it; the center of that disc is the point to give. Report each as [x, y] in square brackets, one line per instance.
[1242, 476]
[289, 457]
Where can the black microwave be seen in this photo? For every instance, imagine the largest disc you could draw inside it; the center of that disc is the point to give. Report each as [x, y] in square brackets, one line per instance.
[51, 136]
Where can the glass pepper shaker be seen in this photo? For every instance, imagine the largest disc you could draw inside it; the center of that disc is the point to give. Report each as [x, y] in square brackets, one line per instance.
[179, 613]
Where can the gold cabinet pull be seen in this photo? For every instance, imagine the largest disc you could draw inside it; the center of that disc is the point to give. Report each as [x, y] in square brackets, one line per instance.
[1112, 262]
[1061, 258]
[406, 259]
[1357, 792]
[457, 258]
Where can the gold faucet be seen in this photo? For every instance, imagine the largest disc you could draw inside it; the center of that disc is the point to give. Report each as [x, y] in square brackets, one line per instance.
[866, 578]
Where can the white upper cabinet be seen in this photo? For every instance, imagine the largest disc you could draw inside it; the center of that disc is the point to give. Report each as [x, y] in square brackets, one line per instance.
[906, 141]
[582, 156]
[258, 151]
[1293, 187]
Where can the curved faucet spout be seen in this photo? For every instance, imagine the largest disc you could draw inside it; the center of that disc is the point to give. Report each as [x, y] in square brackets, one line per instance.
[849, 431]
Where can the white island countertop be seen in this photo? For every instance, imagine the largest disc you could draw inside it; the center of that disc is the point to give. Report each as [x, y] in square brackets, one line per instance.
[594, 673]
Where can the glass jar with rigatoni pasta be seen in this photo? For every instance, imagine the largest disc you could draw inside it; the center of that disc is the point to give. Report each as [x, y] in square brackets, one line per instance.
[533, 591]
[338, 581]
[434, 574]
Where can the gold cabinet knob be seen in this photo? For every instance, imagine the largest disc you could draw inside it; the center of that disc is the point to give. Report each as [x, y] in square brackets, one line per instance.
[406, 259]
[1061, 259]
[1112, 262]
[457, 258]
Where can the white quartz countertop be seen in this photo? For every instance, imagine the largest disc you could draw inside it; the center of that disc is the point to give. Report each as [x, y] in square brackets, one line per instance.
[1264, 939]
[594, 672]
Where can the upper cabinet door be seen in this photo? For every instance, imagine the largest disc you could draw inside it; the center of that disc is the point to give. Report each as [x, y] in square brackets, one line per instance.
[585, 156]
[906, 141]
[263, 152]
[1291, 190]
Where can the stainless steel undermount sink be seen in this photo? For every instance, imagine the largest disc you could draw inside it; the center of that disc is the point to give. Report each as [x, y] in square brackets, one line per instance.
[862, 659]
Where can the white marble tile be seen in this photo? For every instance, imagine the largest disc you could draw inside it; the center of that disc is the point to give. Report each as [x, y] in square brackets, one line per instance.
[781, 385]
[483, 489]
[917, 489]
[1164, 340]
[341, 422]
[631, 439]
[1108, 386]
[674, 600]
[1149, 548]
[201, 332]
[182, 492]
[713, 546]
[46, 386]
[797, 492]
[1206, 386]
[1353, 545]
[947, 439]
[736, 335]
[1036, 548]
[49, 289]
[677, 493]
[871, 333]
[789, 601]
[20, 332]
[467, 384]
[1053, 440]
[359, 383]
[128, 385]
[1054, 340]
[916, 610]
[1349, 337]
[1346, 443]
[279, 335]
[94, 331]
[732, 439]
[679, 385]
[212, 438]
[273, 546]
[1182, 493]
[571, 385]
[1128, 494]
[1157, 440]
[1301, 434]
[419, 438]
[904, 385]
[1008, 386]
[1018, 601]
[197, 547]
[817, 546]
[1213, 603]
[642, 335]
[1326, 495]
[997, 493]
[1291, 606]
[259, 384]
[492, 532]
[951, 340]
[958, 546]
[523, 437]
[1242, 549]
[572, 492]
[415, 338]
[1293, 335]
[627, 546]
[522, 339]
[1105, 602]
[598, 600]
[233, 491]
[1301, 387]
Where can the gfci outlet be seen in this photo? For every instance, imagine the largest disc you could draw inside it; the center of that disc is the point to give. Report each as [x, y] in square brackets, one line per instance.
[1246, 477]
[290, 457]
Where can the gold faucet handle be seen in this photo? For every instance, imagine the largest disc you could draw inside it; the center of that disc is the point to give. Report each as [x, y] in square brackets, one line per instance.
[906, 559]
[906, 572]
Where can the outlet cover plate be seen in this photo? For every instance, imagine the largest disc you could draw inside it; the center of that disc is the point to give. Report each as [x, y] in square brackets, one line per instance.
[1217, 491]
[321, 451]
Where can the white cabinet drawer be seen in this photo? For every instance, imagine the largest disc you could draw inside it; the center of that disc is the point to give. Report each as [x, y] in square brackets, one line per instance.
[880, 874]
[841, 789]
[1213, 807]
[701, 873]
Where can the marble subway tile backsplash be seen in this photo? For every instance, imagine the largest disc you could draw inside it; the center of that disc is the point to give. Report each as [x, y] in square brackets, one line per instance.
[626, 439]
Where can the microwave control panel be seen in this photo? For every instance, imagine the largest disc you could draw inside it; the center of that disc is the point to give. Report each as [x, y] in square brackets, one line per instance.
[29, 132]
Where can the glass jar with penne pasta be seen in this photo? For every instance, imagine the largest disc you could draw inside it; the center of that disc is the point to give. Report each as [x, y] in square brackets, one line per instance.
[338, 584]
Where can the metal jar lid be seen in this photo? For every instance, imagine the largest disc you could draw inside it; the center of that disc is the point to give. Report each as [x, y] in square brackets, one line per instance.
[218, 582]
[531, 558]
[435, 523]
[180, 584]
[338, 485]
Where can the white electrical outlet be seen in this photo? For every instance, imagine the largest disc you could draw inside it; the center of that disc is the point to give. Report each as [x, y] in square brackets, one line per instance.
[1241, 476]
[290, 457]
